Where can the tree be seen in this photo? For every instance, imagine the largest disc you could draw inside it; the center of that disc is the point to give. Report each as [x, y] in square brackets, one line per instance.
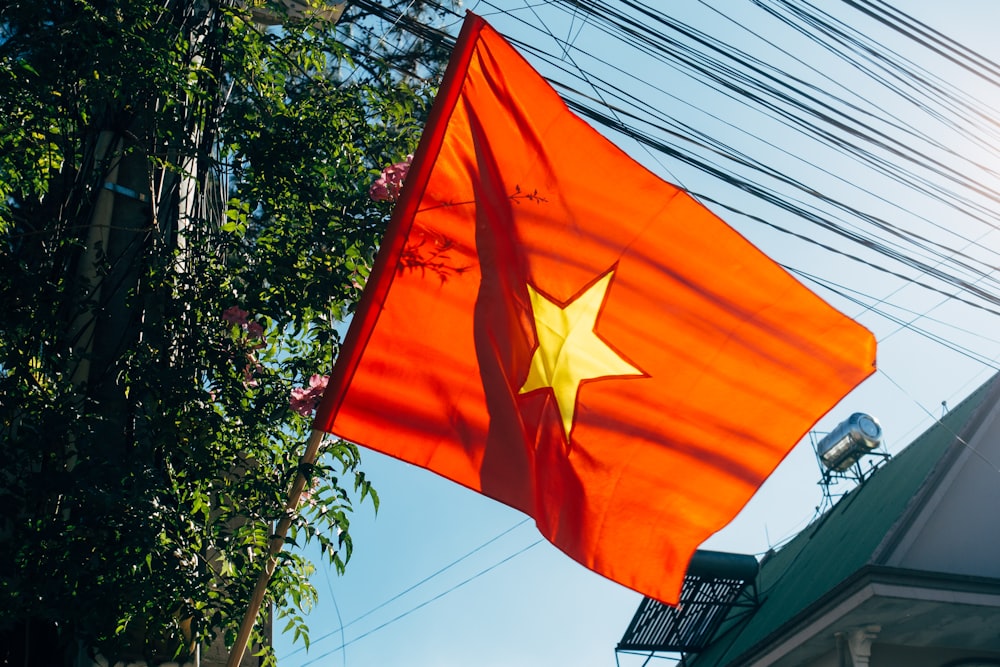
[184, 218]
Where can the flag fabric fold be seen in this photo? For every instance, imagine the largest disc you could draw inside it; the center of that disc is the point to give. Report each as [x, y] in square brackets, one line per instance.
[552, 325]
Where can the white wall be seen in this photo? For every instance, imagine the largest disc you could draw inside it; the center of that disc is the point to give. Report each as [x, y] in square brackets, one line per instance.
[958, 531]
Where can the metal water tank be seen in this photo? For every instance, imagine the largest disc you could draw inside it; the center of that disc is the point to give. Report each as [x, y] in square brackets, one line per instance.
[849, 441]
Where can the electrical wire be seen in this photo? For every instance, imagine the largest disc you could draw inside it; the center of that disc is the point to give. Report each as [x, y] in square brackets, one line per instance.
[937, 421]
[976, 269]
[424, 603]
[413, 586]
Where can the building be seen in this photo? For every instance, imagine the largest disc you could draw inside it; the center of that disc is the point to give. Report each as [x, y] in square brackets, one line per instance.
[903, 571]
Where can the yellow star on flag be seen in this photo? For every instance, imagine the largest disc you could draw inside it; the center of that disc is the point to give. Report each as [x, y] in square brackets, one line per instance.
[569, 351]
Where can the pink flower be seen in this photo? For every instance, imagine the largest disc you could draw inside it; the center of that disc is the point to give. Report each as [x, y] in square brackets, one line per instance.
[254, 329]
[304, 400]
[390, 182]
[235, 315]
[307, 493]
[249, 372]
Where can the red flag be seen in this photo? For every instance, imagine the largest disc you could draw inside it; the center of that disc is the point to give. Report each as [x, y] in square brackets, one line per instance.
[552, 325]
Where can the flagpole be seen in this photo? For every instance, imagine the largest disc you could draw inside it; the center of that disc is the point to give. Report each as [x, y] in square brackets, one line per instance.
[274, 548]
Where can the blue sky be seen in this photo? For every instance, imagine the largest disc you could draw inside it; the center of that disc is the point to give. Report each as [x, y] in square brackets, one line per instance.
[490, 592]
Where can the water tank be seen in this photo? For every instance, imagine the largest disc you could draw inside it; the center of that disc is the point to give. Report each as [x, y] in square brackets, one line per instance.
[849, 441]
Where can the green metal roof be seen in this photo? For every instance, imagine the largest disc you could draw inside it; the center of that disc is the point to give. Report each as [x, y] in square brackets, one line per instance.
[841, 542]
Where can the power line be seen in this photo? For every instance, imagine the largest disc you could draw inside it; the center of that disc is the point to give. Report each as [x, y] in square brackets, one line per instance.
[714, 63]
[424, 603]
[414, 586]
